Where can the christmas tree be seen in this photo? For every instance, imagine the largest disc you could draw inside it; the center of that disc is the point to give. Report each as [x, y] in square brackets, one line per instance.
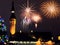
[3, 32]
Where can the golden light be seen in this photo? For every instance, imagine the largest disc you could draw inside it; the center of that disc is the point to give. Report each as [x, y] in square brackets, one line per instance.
[58, 37]
[33, 37]
[36, 18]
[27, 10]
[50, 9]
[12, 30]
[39, 42]
[49, 42]
[13, 26]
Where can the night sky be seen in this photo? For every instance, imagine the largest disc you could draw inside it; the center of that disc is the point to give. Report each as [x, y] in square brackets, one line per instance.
[46, 25]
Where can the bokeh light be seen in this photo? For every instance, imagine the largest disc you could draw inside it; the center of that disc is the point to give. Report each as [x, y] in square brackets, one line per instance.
[50, 9]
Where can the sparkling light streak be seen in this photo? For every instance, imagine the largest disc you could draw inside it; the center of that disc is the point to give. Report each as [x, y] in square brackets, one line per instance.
[26, 14]
[27, 9]
[50, 9]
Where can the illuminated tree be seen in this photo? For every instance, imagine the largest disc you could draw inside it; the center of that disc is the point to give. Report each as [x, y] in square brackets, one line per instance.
[3, 32]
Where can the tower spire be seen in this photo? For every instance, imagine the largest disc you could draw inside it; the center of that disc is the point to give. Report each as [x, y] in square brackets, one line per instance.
[13, 6]
[13, 9]
[12, 20]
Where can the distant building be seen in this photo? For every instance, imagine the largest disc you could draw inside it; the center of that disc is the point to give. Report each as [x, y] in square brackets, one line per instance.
[12, 20]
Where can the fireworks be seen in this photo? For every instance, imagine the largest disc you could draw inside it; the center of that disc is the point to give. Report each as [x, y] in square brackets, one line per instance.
[36, 18]
[27, 10]
[26, 14]
[50, 9]
[26, 21]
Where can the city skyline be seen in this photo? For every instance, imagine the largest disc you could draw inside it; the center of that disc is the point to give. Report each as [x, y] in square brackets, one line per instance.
[46, 25]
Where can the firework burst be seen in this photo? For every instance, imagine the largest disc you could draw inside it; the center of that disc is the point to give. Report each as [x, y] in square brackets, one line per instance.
[36, 18]
[50, 9]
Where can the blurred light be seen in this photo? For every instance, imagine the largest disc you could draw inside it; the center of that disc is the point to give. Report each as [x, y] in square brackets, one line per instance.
[31, 31]
[5, 43]
[49, 42]
[33, 37]
[50, 9]
[2, 20]
[33, 42]
[0, 23]
[24, 42]
[20, 31]
[21, 42]
[58, 37]
[27, 10]
[36, 17]
[27, 42]
[0, 38]
[7, 40]
[39, 42]
[52, 38]
[13, 26]
[36, 25]
[12, 11]
[0, 16]
[26, 21]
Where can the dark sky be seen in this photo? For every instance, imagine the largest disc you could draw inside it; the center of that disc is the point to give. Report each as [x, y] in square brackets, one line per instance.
[47, 25]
